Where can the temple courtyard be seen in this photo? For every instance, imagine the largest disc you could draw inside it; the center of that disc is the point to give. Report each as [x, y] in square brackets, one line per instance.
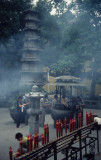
[8, 130]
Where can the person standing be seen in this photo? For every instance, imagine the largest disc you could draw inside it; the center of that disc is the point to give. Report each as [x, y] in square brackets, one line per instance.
[75, 109]
[64, 101]
[26, 103]
[19, 113]
[43, 104]
[55, 100]
[81, 106]
[20, 109]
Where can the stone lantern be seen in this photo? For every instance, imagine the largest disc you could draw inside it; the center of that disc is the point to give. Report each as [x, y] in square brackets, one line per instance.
[34, 112]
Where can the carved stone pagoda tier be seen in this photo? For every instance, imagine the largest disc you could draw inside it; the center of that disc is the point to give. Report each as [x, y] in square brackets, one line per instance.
[32, 68]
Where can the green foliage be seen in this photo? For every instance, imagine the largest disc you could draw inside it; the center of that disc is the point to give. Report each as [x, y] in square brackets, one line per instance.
[11, 21]
[67, 64]
[50, 33]
[11, 16]
[48, 23]
[89, 14]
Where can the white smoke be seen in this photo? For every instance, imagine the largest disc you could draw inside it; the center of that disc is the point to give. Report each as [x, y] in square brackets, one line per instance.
[34, 2]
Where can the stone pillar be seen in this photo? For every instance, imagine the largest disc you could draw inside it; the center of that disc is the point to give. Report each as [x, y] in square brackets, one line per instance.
[34, 112]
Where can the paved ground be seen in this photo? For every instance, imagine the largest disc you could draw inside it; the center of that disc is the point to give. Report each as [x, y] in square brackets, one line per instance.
[8, 130]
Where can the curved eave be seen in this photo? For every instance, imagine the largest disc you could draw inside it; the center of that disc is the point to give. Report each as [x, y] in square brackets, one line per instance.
[67, 78]
[31, 29]
[35, 12]
[32, 20]
[67, 84]
[31, 49]
[29, 60]
[32, 39]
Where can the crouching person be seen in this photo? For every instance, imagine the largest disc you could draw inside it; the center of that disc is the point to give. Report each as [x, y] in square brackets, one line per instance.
[19, 136]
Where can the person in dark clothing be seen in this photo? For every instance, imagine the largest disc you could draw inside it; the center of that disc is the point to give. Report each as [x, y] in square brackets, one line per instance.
[64, 101]
[81, 106]
[27, 102]
[19, 105]
[80, 101]
[55, 100]
[75, 108]
[74, 103]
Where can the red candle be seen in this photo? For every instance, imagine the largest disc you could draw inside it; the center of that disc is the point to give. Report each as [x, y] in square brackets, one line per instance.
[20, 146]
[65, 125]
[42, 137]
[57, 128]
[45, 130]
[47, 133]
[61, 129]
[74, 124]
[86, 118]
[90, 117]
[10, 153]
[80, 120]
[35, 137]
[70, 123]
[31, 142]
[17, 154]
[28, 144]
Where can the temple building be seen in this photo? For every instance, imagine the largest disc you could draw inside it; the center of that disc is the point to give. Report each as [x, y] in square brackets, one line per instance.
[32, 68]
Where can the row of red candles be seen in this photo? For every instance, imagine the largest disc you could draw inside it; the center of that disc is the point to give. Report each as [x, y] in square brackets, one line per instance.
[30, 147]
[59, 128]
[72, 125]
[89, 118]
[59, 133]
[45, 136]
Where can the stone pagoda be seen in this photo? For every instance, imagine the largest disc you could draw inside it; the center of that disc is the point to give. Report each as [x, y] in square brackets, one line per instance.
[32, 68]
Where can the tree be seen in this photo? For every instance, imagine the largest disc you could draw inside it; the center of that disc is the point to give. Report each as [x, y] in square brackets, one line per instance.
[11, 22]
[11, 16]
[81, 41]
[90, 10]
[50, 32]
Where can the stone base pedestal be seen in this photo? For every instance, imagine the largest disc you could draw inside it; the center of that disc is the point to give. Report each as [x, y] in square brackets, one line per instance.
[34, 124]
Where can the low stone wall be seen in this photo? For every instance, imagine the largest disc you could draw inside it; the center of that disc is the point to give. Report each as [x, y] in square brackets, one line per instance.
[92, 104]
